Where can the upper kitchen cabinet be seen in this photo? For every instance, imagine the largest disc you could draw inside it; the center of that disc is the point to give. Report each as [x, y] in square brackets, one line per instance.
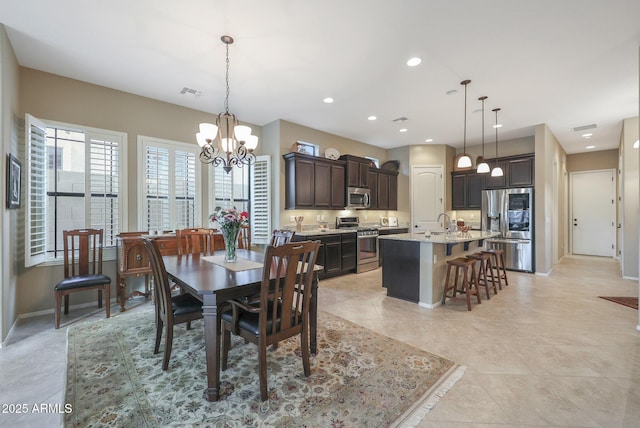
[521, 172]
[387, 190]
[357, 170]
[466, 190]
[313, 183]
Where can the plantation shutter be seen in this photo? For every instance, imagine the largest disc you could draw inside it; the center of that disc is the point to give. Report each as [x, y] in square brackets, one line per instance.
[261, 201]
[156, 189]
[36, 215]
[104, 184]
[185, 189]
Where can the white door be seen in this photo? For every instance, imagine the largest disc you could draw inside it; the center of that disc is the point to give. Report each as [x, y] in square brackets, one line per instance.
[427, 197]
[593, 213]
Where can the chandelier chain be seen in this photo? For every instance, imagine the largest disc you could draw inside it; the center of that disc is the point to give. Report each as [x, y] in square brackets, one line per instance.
[226, 100]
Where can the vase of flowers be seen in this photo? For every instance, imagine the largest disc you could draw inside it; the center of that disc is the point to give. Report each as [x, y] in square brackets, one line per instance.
[230, 220]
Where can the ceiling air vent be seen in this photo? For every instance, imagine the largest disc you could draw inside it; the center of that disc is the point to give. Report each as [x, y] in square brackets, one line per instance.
[401, 119]
[584, 127]
[189, 91]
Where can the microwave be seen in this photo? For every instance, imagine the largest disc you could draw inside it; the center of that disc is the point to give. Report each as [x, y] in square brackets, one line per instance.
[357, 198]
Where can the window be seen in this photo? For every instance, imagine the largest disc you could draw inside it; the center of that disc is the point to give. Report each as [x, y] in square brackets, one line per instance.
[248, 188]
[74, 181]
[170, 196]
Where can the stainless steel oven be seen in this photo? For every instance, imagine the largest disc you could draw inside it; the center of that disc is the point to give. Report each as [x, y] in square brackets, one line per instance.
[368, 250]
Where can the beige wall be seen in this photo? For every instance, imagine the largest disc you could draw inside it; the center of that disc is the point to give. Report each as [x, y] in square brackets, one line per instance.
[592, 161]
[630, 171]
[10, 242]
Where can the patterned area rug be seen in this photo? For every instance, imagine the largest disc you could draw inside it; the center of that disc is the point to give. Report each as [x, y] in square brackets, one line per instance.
[358, 379]
[631, 302]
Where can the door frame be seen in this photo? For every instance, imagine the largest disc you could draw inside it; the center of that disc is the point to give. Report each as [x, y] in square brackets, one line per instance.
[613, 207]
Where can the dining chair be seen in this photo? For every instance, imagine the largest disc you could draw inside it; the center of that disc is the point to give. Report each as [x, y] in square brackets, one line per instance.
[170, 310]
[282, 310]
[282, 236]
[244, 237]
[194, 241]
[82, 269]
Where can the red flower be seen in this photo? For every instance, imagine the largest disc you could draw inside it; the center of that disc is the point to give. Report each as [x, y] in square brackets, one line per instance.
[244, 215]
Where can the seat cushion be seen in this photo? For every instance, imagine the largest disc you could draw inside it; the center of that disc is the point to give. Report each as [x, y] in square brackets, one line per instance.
[82, 282]
[250, 321]
[185, 304]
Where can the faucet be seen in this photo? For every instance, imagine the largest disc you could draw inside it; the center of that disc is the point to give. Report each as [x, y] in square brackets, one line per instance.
[446, 225]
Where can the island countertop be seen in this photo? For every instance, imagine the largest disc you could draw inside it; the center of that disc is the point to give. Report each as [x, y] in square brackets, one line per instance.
[473, 235]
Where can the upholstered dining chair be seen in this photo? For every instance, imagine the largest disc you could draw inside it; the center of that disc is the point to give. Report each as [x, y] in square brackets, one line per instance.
[282, 310]
[82, 269]
[244, 237]
[170, 310]
[279, 237]
[194, 241]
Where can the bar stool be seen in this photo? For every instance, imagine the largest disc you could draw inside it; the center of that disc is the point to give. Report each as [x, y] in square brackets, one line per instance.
[482, 279]
[469, 285]
[497, 262]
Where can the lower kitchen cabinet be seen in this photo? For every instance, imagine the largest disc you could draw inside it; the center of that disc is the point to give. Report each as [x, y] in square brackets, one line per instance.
[337, 252]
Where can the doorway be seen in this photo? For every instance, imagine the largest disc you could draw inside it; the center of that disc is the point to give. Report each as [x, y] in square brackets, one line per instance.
[427, 200]
[593, 230]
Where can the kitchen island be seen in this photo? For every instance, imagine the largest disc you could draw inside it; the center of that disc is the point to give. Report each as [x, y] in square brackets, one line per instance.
[415, 265]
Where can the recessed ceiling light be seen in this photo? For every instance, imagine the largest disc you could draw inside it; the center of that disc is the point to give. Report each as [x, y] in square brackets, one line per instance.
[414, 61]
[403, 130]
[499, 125]
[452, 91]
[636, 144]
[372, 118]
[328, 100]
[428, 140]
[588, 135]
[591, 147]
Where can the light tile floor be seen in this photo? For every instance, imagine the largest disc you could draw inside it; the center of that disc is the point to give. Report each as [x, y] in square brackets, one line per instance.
[544, 352]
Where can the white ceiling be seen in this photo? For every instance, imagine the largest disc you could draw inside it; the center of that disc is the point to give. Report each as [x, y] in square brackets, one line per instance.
[565, 63]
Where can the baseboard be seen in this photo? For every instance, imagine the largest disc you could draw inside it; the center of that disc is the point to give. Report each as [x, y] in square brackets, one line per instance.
[113, 302]
[428, 306]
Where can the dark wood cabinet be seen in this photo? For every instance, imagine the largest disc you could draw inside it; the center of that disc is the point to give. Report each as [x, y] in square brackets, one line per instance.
[383, 185]
[337, 253]
[313, 183]
[393, 191]
[373, 188]
[491, 182]
[466, 190]
[357, 170]
[520, 172]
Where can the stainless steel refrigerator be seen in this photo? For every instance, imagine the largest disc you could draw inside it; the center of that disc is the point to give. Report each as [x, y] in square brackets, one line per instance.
[510, 212]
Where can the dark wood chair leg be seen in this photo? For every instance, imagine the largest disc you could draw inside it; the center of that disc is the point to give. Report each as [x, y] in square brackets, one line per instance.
[58, 297]
[168, 342]
[107, 299]
[304, 346]
[226, 345]
[159, 327]
[262, 367]
[66, 304]
[99, 298]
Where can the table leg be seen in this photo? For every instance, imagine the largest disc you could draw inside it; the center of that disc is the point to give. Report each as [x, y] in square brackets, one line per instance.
[212, 345]
[313, 316]
[121, 291]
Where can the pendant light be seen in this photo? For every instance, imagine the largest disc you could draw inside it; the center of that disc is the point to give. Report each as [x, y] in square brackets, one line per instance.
[464, 161]
[497, 171]
[482, 165]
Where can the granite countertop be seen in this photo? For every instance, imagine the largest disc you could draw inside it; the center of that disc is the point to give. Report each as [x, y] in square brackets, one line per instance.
[314, 232]
[473, 235]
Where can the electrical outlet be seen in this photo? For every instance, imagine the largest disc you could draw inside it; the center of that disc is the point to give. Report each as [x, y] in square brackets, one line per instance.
[318, 218]
[292, 218]
[435, 259]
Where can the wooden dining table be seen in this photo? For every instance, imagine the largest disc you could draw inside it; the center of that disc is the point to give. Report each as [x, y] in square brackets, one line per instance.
[214, 285]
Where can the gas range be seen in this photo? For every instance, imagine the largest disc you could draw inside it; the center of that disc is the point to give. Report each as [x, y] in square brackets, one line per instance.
[353, 223]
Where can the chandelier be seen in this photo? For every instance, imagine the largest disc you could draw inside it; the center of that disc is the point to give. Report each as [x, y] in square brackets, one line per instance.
[464, 161]
[235, 143]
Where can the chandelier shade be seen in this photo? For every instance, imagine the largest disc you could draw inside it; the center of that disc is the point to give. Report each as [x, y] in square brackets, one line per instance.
[235, 143]
[464, 161]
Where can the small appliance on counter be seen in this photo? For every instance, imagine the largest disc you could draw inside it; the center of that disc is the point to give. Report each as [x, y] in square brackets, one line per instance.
[393, 221]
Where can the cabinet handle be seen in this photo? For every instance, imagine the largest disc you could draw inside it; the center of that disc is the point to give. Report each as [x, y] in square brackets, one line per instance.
[138, 257]
[162, 246]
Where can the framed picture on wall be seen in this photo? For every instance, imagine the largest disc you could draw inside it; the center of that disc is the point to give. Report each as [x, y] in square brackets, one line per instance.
[14, 181]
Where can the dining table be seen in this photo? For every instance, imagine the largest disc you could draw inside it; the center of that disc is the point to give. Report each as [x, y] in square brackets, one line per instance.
[217, 283]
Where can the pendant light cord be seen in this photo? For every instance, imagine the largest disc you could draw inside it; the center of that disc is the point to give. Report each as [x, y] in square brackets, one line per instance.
[226, 100]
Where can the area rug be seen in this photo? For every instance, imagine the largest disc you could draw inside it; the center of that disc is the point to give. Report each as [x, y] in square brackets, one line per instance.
[358, 379]
[631, 302]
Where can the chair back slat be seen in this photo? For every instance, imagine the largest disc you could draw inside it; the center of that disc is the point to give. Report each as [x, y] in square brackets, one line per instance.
[279, 237]
[286, 285]
[244, 237]
[161, 280]
[82, 252]
[194, 241]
